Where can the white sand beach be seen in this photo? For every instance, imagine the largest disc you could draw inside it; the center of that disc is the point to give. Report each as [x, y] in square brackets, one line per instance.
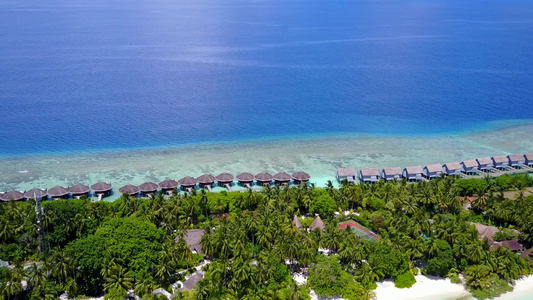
[523, 290]
[425, 288]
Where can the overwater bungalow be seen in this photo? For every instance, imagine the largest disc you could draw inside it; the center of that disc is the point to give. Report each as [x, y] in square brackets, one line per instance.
[132, 190]
[369, 175]
[79, 190]
[346, 173]
[391, 173]
[206, 181]
[432, 171]
[452, 169]
[58, 192]
[148, 188]
[470, 166]
[413, 173]
[516, 160]
[500, 161]
[35, 193]
[225, 179]
[246, 179]
[529, 159]
[102, 189]
[282, 178]
[188, 182]
[263, 178]
[168, 185]
[300, 177]
[317, 224]
[485, 164]
[12, 195]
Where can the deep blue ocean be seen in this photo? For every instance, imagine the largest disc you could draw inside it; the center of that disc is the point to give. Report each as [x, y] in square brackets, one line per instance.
[86, 75]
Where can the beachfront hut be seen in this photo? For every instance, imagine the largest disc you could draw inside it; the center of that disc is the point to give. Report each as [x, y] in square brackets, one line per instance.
[300, 177]
[79, 190]
[225, 179]
[452, 169]
[282, 178]
[297, 223]
[485, 163]
[168, 185]
[35, 193]
[516, 160]
[513, 245]
[263, 178]
[391, 173]
[432, 171]
[346, 173]
[206, 181]
[132, 190]
[58, 192]
[470, 166]
[148, 188]
[500, 161]
[188, 182]
[486, 232]
[369, 175]
[317, 224]
[193, 237]
[13, 195]
[102, 189]
[529, 159]
[246, 179]
[413, 173]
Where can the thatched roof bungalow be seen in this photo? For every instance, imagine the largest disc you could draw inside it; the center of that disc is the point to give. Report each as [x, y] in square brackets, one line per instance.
[225, 179]
[299, 177]
[246, 179]
[391, 173]
[35, 192]
[317, 224]
[132, 190]
[370, 175]
[513, 245]
[188, 182]
[191, 282]
[413, 173]
[79, 190]
[297, 223]
[206, 181]
[193, 237]
[282, 178]
[148, 188]
[12, 195]
[168, 185]
[101, 187]
[263, 178]
[58, 192]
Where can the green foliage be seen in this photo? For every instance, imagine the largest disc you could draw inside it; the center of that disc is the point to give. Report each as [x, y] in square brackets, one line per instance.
[405, 280]
[390, 261]
[327, 278]
[356, 291]
[443, 259]
[505, 234]
[472, 186]
[322, 204]
[494, 288]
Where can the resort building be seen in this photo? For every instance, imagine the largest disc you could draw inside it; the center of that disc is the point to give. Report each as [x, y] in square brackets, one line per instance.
[58, 192]
[513, 245]
[102, 189]
[470, 166]
[529, 159]
[225, 179]
[516, 160]
[317, 224]
[391, 173]
[12, 195]
[485, 164]
[413, 173]
[193, 237]
[432, 171]
[206, 181]
[34, 193]
[246, 179]
[500, 161]
[486, 232]
[297, 223]
[282, 178]
[263, 178]
[129, 189]
[148, 188]
[300, 177]
[168, 185]
[369, 175]
[345, 173]
[452, 169]
[188, 182]
[79, 190]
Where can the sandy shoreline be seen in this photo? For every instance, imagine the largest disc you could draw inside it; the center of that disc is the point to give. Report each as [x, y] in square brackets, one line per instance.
[319, 156]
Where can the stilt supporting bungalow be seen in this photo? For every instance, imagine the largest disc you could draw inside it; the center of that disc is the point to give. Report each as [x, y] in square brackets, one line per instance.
[529, 159]
[500, 161]
[470, 166]
[452, 169]
[225, 179]
[206, 181]
[246, 179]
[485, 164]
[516, 160]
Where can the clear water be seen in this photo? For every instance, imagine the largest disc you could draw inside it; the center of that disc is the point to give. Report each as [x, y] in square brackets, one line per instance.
[88, 75]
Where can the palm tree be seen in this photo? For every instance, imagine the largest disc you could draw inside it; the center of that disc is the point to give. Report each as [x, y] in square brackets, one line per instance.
[36, 276]
[477, 276]
[12, 286]
[367, 274]
[118, 279]
[294, 292]
[63, 266]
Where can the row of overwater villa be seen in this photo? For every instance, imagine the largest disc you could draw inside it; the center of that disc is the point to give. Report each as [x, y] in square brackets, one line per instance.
[482, 165]
[103, 189]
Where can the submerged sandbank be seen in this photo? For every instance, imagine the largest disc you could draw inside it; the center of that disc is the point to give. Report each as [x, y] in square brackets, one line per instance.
[319, 156]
